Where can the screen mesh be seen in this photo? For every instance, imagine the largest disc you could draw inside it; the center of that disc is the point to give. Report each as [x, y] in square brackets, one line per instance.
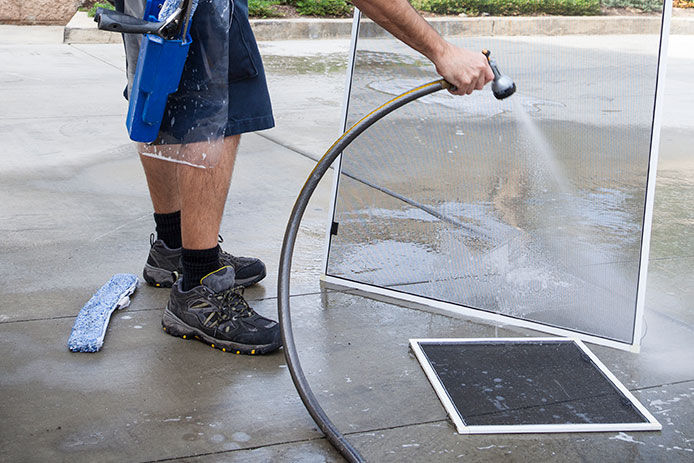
[530, 207]
[522, 382]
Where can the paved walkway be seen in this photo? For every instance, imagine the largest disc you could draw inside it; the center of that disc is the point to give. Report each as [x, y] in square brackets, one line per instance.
[75, 210]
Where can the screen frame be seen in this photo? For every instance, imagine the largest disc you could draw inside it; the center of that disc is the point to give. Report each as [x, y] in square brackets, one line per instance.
[415, 344]
[459, 310]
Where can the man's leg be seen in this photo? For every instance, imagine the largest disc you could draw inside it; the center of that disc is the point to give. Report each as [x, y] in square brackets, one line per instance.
[205, 303]
[162, 181]
[191, 199]
[162, 177]
[203, 194]
[164, 260]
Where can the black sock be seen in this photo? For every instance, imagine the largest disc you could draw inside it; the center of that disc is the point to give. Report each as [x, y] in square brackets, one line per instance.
[169, 228]
[197, 263]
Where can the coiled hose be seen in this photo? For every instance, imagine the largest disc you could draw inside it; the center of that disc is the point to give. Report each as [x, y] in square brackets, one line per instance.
[334, 436]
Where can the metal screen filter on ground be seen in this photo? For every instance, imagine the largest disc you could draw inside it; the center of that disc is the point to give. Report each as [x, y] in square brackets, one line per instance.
[541, 385]
[531, 207]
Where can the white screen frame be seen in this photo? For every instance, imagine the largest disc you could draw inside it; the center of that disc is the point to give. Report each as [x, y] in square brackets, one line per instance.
[415, 344]
[458, 310]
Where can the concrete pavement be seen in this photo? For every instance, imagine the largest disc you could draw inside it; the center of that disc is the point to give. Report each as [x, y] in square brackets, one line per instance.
[75, 210]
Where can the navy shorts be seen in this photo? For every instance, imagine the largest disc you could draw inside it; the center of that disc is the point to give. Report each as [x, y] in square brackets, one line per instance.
[192, 105]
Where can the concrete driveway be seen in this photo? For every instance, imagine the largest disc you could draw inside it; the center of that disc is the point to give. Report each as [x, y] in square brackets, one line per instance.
[75, 210]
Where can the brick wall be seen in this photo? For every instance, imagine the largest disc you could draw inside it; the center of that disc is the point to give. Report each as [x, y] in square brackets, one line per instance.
[37, 11]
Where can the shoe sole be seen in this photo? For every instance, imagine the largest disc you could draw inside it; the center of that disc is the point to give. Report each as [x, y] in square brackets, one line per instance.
[159, 277]
[176, 327]
[162, 278]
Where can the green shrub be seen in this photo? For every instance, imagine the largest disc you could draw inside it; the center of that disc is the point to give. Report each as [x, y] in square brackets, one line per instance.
[92, 10]
[643, 5]
[510, 7]
[263, 8]
[322, 7]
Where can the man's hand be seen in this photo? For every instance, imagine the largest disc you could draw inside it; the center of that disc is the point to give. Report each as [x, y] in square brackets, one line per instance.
[467, 70]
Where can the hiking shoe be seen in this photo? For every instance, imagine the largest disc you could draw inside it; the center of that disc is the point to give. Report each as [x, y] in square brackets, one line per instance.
[248, 270]
[217, 314]
[163, 265]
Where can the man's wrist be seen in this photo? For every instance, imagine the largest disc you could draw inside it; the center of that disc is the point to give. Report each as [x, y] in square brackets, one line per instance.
[438, 50]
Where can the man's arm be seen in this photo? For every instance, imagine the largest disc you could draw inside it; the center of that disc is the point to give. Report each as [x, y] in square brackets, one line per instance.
[467, 70]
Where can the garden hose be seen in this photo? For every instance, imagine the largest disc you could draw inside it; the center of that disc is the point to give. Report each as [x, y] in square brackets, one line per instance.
[308, 398]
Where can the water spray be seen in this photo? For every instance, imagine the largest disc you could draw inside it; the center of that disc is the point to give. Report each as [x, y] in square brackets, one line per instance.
[502, 87]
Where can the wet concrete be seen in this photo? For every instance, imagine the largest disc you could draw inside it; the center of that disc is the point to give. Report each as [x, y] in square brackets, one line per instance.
[75, 211]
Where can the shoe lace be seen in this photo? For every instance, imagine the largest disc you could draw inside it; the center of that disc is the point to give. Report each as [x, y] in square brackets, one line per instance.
[232, 306]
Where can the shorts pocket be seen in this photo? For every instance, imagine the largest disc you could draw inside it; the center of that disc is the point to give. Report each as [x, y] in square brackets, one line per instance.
[241, 58]
[219, 54]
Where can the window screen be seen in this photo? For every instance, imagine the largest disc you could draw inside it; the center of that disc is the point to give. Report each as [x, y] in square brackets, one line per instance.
[531, 207]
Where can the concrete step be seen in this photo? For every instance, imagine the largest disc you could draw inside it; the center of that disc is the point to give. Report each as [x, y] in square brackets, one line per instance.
[82, 29]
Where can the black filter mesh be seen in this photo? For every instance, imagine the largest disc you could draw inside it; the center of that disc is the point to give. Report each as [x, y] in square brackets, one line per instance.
[520, 383]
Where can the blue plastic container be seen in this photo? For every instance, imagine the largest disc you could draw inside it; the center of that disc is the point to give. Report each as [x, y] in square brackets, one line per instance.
[159, 69]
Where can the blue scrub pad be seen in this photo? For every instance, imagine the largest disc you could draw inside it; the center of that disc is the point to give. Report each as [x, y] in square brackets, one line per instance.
[90, 326]
[172, 5]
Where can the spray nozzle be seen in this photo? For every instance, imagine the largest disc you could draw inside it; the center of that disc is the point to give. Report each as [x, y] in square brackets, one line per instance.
[502, 86]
